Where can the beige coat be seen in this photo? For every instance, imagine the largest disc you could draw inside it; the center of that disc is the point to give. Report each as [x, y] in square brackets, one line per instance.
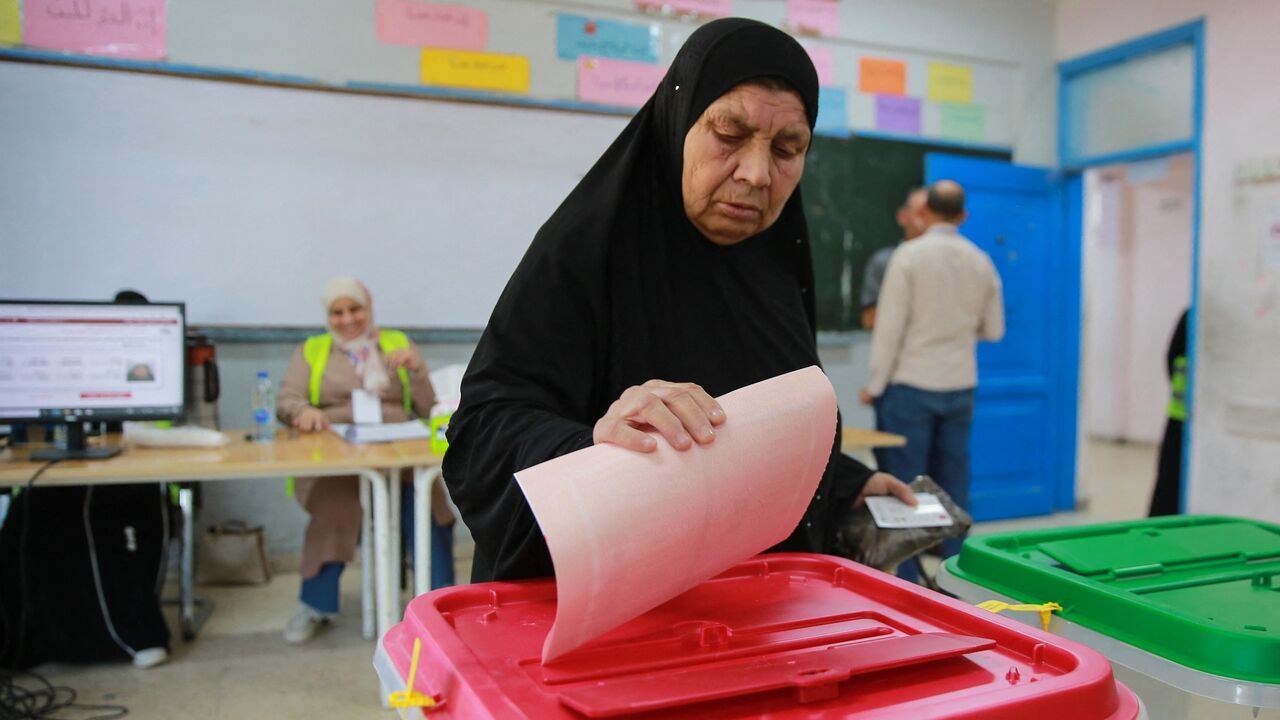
[334, 502]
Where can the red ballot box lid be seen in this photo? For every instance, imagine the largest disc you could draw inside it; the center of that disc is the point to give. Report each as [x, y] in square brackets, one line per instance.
[778, 636]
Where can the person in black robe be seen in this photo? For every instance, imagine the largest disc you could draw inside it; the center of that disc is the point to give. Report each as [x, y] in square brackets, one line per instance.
[677, 270]
[1166, 496]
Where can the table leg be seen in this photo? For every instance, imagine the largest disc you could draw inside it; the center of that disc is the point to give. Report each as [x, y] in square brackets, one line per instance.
[381, 551]
[188, 619]
[397, 544]
[366, 565]
[423, 480]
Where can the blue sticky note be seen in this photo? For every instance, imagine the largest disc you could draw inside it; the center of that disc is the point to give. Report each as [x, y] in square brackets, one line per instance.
[577, 35]
[833, 112]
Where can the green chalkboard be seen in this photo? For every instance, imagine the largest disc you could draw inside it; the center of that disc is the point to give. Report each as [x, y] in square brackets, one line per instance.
[852, 190]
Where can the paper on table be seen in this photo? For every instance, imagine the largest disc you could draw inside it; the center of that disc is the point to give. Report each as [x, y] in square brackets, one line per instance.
[384, 432]
[628, 531]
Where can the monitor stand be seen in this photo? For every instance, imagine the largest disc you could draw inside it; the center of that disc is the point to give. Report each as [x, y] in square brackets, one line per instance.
[76, 449]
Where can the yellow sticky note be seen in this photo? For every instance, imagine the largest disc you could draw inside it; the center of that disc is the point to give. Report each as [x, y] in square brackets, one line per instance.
[10, 23]
[475, 70]
[950, 83]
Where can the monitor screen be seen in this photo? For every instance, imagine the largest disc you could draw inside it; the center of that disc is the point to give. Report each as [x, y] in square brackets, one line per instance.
[64, 361]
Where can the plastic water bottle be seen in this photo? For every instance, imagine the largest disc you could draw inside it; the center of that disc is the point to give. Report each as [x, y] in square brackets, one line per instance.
[264, 407]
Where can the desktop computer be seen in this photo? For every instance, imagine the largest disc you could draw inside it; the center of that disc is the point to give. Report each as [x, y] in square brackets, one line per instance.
[72, 362]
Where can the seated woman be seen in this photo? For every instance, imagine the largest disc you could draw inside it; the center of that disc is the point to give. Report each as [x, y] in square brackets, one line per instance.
[683, 255]
[353, 355]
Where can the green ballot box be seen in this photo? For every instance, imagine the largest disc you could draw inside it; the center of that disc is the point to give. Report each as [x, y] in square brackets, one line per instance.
[1187, 608]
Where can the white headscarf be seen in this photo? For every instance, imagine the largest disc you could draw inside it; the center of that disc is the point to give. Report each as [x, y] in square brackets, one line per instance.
[362, 349]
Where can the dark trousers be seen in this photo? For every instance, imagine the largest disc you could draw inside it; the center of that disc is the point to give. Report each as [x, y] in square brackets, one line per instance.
[936, 425]
[1166, 499]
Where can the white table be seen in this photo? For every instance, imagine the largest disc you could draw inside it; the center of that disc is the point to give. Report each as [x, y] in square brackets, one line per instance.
[311, 454]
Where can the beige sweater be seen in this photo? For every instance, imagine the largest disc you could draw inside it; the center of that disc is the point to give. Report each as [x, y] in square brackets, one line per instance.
[941, 295]
[335, 391]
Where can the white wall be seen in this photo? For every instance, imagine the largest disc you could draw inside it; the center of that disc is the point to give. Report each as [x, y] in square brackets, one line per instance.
[1137, 280]
[1012, 35]
[1235, 450]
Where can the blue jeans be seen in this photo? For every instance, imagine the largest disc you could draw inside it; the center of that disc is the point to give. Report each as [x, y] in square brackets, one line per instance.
[936, 425]
[320, 592]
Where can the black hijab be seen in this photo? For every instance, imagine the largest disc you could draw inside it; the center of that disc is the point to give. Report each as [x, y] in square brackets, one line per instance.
[619, 287]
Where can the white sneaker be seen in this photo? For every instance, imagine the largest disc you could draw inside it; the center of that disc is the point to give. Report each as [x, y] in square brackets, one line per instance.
[303, 625]
[150, 657]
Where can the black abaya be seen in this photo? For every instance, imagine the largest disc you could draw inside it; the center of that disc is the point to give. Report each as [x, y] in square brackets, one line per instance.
[618, 288]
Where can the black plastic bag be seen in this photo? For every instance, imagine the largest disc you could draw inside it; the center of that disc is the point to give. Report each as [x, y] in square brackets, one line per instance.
[859, 539]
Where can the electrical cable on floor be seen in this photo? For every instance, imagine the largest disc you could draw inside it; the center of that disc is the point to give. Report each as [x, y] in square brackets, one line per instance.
[21, 701]
[18, 700]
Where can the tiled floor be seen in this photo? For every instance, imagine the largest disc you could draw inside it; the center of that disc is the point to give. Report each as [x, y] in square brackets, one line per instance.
[240, 667]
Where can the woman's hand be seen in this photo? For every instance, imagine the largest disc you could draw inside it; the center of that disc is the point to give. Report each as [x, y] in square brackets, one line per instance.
[885, 484]
[311, 420]
[681, 412]
[406, 358]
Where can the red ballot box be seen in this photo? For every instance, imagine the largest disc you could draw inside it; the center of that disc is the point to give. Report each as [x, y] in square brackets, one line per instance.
[778, 636]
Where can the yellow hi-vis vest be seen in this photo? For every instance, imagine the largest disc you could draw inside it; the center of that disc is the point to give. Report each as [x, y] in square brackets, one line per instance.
[316, 352]
[1178, 386]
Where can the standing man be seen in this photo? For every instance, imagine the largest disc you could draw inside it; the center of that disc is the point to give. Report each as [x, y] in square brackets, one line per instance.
[912, 224]
[1166, 498]
[941, 295]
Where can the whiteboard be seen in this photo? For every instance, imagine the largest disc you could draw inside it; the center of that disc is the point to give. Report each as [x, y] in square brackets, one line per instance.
[243, 199]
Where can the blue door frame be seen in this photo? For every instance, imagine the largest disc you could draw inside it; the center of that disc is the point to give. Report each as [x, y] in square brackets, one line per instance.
[1073, 166]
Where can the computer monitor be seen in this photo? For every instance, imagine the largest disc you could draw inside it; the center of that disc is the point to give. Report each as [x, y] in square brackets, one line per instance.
[71, 362]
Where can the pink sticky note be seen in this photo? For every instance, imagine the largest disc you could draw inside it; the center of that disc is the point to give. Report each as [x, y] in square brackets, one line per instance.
[705, 8]
[818, 17]
[434, 25]
[824, 61]
[125, 28]
[628, 531]
[617, 82]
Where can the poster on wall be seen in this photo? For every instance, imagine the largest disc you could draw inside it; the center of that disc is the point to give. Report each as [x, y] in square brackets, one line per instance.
[950, 83]
[964, 122]
[814, 17]
[898, 114]
[824, 61]
[833, 112]
[10, 23]
[428, 24]
[577, 36]
[617, 82]
[701, 8]
[475, 71]
[879, 76]
[121, 28]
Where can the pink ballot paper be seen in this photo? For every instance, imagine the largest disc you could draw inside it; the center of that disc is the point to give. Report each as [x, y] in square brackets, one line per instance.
[628, 531]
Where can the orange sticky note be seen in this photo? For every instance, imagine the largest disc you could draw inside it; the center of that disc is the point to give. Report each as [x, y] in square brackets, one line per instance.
[878, 76]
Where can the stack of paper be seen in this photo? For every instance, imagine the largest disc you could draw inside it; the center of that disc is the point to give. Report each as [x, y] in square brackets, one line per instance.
[382, 432]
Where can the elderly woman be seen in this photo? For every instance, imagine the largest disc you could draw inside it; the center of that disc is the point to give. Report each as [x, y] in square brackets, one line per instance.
[683, 255]
[353, 355]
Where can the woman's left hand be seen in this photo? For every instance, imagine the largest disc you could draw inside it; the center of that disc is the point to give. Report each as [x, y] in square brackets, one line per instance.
[406, 358]
[885, 484]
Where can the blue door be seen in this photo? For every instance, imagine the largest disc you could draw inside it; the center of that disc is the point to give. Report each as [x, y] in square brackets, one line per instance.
[1023, 445]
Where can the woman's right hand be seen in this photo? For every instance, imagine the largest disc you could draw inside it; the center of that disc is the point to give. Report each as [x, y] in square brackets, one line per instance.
[311, 420]
[681, 412]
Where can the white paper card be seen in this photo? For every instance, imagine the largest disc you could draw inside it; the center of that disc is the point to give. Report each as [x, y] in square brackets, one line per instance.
[387, 432]
[366, 408]
[890, 512]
